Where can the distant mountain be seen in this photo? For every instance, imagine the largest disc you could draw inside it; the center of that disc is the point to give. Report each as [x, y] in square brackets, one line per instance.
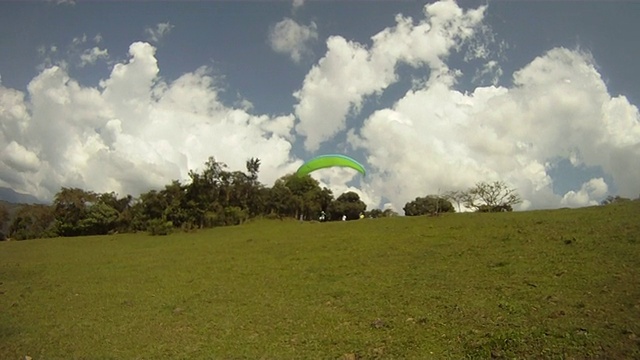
[9, 195]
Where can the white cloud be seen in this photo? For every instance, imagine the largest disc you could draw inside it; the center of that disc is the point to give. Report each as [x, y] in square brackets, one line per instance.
[438, 138]
[159, 32]
[490, 73]
[19, 158]
[349, 71]
[63, 2]
[591, 193]
[133, 133]
[297, 4]
[289, 37]
[90, 56]
[75, 54]
[79, 40]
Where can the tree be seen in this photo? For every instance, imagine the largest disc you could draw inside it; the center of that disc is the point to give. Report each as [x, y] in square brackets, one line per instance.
[491, 197]
[100, 219]
[374, 213]
[280, 200]
[71, 206]
[174, 198]
[4, 218]
[253, 166]
[32, 222]
[430, 204]
[348, 204]
[377, 213]
[389, 213]
[309, 198]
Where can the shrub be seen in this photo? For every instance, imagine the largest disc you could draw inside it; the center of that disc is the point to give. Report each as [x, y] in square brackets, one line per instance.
[159, 227]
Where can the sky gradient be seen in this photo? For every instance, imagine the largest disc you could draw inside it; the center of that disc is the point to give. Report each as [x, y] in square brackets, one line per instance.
[429, 97]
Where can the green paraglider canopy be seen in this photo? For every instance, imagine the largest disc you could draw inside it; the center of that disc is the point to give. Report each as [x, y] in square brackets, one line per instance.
[331, 160]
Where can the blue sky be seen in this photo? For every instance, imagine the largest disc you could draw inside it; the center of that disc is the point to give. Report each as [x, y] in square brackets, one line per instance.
[431, 97]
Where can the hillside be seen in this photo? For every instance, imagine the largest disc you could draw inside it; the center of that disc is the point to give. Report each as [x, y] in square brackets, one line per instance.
[11, 196]
[540, 284]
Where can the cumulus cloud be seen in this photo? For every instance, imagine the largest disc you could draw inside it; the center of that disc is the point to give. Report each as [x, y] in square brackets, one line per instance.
[132, 133]
[160, 31]
[337, 85]
[19, 158]
[297, 4]
[591, 193]
[289, 37]
[439, 138]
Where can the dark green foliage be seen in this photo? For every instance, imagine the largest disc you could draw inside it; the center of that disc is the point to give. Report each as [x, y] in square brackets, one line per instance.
[430, 204]
[234, 215]
[4, 219]
[4, 215]
[293, 196]
[99, 220]
[33, 221]
[281, 201]
[78, 212]
[159, 227]
[71, 207]
[348, 204]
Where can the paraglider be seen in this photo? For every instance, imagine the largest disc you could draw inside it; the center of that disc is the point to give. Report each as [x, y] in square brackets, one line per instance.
[325, 161]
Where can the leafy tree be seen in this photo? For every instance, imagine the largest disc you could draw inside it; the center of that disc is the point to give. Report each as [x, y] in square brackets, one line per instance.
[100, 219]
[389, 213]
[374, 213]
[253, 166]
[32, 222]
[378, 213]
[159, 227]
[491, 197]
[4, 215]
[4, 218]
[208, 193]
[309, 199]
[281, 201]
[71, 206]
[174, 198]
[430, 204]
[348, 204]
[134, 217]
[153, 205]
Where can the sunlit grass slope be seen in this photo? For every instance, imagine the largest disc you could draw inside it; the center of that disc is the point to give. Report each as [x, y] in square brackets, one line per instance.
[540, 284]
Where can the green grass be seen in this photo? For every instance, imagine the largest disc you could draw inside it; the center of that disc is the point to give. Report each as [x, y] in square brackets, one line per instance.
[561, 284]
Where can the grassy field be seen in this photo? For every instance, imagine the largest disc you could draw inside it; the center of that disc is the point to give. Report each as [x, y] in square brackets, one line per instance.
[540, 284]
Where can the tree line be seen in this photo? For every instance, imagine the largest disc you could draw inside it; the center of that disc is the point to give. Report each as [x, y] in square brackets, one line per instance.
[219, 197]
[212, 197]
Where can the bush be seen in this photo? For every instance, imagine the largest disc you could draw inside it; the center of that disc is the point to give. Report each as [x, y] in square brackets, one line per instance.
[159, 227]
